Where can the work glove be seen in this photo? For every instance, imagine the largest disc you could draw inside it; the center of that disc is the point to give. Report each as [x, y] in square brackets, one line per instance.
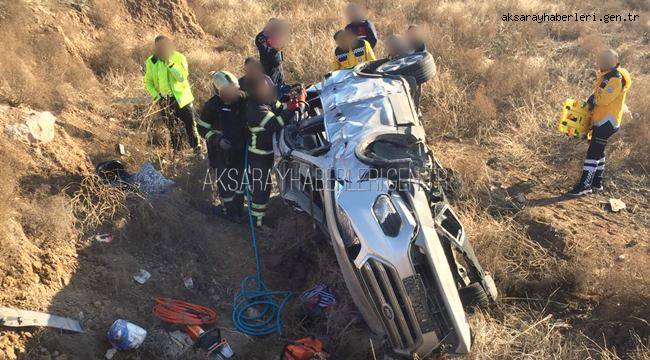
[591, 102]
[224, 144]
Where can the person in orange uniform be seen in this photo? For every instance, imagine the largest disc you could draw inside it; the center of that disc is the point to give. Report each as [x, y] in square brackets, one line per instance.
[350, 50]
[607, 104]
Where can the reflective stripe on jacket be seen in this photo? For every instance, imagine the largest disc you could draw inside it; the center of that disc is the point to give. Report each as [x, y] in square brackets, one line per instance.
[264, 121]
[168, 79]
[224, 120]
[361, 53]
[609, 95]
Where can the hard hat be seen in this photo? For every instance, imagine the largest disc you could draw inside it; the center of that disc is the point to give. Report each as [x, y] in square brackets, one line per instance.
[221, 79]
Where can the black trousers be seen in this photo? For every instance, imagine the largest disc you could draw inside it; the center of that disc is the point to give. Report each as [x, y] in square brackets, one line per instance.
[175, 114]
[229, 169]
[260, 181]
[594, 165]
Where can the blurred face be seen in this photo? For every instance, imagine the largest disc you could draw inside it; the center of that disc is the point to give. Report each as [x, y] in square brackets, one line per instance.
[229, 93]
[163, 49]
[264, 92]
[606, 59]
[339, 42]
[413, 34]
[348, 39]
[253, 69]
[391, 47]
[354, 12]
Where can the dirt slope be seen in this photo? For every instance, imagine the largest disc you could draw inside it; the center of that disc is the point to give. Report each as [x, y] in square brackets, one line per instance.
[573, 275]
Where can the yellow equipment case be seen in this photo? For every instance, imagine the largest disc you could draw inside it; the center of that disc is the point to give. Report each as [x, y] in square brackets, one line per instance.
[575, 120]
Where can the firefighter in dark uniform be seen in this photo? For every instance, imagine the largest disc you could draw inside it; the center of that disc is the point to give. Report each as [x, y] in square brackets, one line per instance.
[223, 124]
[265, 116]
[252, 69]
[360, 25]
[269, 43]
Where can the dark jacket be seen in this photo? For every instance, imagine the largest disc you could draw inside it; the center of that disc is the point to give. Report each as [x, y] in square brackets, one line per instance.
[270, 58]
[243, 82]
[365, 30]
[418, 46]
[264, 120]
[224, 121]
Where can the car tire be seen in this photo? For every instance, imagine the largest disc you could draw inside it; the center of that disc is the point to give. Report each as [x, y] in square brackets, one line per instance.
[419, 65]
[474, 296]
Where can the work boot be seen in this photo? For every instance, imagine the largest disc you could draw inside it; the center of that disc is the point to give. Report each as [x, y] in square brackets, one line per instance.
[263, 224]
[579, 190]
[234, 213]
[597, 184]
[221, 211]
[583, 187]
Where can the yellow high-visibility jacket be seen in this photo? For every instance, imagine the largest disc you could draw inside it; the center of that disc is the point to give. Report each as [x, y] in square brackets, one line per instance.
[168, 78]
[610, 90]
[360, 53]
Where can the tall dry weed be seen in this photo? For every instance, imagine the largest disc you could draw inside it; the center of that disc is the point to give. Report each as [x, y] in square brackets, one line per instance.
[95, 202]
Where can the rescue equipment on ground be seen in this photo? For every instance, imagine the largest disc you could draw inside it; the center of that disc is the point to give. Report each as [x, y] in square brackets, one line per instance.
[575, 120]
[193, 317]
[318, 299]
[307, 348]
[254, 298]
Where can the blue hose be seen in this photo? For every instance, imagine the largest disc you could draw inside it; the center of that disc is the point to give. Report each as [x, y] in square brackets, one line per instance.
[267, 306]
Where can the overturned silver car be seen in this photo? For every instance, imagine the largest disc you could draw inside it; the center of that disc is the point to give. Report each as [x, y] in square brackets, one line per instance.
[358, 164]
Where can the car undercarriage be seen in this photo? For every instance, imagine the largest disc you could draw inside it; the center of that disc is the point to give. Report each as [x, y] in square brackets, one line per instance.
[360, 166]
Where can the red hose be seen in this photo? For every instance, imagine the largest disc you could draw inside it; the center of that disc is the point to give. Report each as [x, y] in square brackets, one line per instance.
[180, 312]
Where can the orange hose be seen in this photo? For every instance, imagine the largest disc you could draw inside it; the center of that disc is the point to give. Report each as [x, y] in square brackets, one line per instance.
[180, 312]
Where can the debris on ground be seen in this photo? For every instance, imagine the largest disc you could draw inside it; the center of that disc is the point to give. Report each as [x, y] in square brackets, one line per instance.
[632, 243]
[304, 349]
[120, 149]
[616, 205]
[110, 353]
[318, 299]
[141, 276]
[521, 199]
[150, 181]
[124, 335]
[104, 238]
[147, 179]
[26, 318]
[37, 128]
[182, 339]
[188, 282]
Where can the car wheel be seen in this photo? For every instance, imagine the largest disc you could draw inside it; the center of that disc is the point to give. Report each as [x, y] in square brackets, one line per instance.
[474, 296]
[419, 65]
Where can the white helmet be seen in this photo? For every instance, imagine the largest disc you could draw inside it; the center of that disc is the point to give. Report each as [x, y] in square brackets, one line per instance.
[221, 79]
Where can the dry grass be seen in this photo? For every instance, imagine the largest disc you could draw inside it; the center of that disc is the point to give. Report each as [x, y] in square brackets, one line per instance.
[95, 202]
[500, 85]
[43, 71]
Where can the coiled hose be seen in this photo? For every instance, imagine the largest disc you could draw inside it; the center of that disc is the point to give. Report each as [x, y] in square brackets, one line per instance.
[256, 310]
